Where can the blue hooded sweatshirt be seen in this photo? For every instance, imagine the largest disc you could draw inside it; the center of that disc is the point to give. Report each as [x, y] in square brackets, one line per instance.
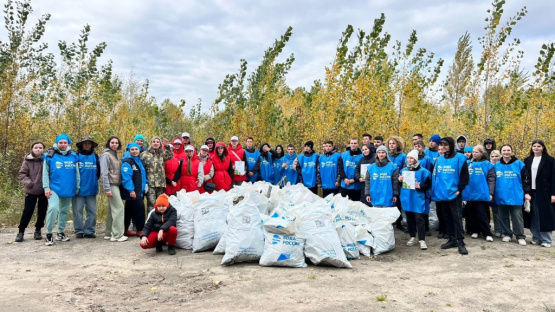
[130, 167]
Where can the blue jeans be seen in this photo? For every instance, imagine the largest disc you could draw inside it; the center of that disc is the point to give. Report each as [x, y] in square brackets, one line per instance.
[89, 204]
[508, 213]
[542, 237]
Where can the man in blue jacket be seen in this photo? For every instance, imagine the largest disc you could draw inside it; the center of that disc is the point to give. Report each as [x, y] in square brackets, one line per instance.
[328, 173]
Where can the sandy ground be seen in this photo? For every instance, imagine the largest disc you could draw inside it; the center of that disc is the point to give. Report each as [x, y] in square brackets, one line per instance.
[96, 275]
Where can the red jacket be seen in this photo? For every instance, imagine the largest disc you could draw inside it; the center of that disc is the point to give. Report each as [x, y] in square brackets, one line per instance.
[189, 182]
[222, 178]
[241, 153]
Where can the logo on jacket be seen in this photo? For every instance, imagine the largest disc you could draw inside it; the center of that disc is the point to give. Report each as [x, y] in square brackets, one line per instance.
[499, 174]
[59, 165]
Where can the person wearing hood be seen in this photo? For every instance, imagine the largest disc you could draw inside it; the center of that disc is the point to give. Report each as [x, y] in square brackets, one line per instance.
[489, 145]
[307, 167]
[449, 179]
[381, 184]
[346, 166]
[161, 227]
[110, 173]
[414, 200]
[461, 143]
[211, 143]
[207, 166]
[433, 146]
[252, 155]
[237, 153]
[264, 163]
[289, 164]
[512, 188]
[328, 176]
[192, 172]
[361, 169]
[479, 193]
[172, 167]
[541, 219]
[140, 140]
[154, 159]
[134, 184]
[89, 171]
[30, 175]
[60, 180]
[278, 164]
[223, 169]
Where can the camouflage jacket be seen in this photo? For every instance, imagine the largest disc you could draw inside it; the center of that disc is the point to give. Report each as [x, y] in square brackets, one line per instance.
[154, 160]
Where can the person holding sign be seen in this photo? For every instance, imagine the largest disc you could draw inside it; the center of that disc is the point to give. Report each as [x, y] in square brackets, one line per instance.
[381, 183]
[415, 180]
[361, 170]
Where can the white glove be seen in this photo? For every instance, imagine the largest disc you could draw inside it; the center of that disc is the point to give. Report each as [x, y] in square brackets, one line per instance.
[527, 206]
[146, 188]
[170, 145]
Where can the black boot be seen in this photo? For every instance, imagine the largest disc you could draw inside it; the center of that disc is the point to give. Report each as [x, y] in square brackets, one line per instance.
[462, 248]
[37, 235]
[171, 250]
[451, 243]
[159, 247]
[440, 235]
[19, 238]
[399, 226]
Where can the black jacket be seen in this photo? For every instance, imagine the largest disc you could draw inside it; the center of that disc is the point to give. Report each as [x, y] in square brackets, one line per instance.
[157, 221]
[370, 159]
[545, 188]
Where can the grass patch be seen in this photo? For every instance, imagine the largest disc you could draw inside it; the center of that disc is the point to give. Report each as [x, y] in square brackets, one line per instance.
[511, 279]
[381, 298]
[312, 276]
[509, 265]
[484, 247]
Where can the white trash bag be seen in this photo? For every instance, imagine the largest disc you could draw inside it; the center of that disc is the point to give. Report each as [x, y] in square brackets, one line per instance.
[284, 251]
[322, 243]
[185, 223]
[210, 223]
[347, 236]
[280, 224]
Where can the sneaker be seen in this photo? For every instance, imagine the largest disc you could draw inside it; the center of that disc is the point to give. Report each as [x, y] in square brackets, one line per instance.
[462, 249]
[411, 241]
[159, 247]
[49, 241]
[62, 237]
[506, 239]
[19, 238]
[107, 237]
[37, 235]
[489, 239]
[80, 235]
[451, 243]
[474, 235]
[522, 242]
[546, 245]
[535, 242]
[497, 234]
[171, 250]
[91, 235]
[121, 239]
[129, 233]
[423, 245]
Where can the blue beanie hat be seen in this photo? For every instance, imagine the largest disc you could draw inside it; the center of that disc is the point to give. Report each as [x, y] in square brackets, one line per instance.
[63, 136]
[468, 149]
[436, 138]
[139, 136]
[129, 146]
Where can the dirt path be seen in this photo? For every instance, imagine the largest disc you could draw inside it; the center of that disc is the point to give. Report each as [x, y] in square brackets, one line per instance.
[96, 275]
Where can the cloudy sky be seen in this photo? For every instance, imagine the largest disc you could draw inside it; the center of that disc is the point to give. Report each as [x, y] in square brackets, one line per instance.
[185, 48]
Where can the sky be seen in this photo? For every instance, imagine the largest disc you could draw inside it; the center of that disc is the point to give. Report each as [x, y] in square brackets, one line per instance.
[186, 48]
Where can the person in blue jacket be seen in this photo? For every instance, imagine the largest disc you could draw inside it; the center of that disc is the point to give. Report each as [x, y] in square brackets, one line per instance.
[328, 176]
[433, 146]
[381, 183]
[307, 167]
[361, 171]
[252, 155]
[288, 163]
[278, 164]
[414, 200]
[395, 145]
[468, 153]
[512, 187]
[133, 187]
[479, 193]
[347, 165]
[61, 181]
[449, 179]
[426, 163]
[264, 164]
[89, 171]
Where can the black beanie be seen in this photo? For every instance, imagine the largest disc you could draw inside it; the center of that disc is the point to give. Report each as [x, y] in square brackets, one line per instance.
[310, 144]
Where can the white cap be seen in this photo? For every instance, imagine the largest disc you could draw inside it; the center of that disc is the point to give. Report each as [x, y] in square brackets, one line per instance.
[234, 138]
[413, 154]
[177, 141]
[189, 148]
[205, 147]
[185, 134]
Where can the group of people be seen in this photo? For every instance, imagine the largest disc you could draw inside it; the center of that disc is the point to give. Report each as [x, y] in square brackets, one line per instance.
[456, 180]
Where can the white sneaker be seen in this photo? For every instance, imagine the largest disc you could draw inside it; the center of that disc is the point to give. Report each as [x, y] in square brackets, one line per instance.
[522, 242]
[474, 235]
[546, 245]
[423, 245]
[411, 241]
[121, 239]
[107, 237]
[489, 239]
[506, 239]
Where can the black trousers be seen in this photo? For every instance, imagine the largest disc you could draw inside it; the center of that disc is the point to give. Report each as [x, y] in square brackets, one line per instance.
[477, 221]
[416, 221]
[134, 210]
[314, 189]
[452, 213]
[326, 192]
[29, 209]
[440, 219]
[363, 198]
[354, 195]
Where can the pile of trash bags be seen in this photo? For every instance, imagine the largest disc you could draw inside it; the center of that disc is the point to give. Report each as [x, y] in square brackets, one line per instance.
[282, 227]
